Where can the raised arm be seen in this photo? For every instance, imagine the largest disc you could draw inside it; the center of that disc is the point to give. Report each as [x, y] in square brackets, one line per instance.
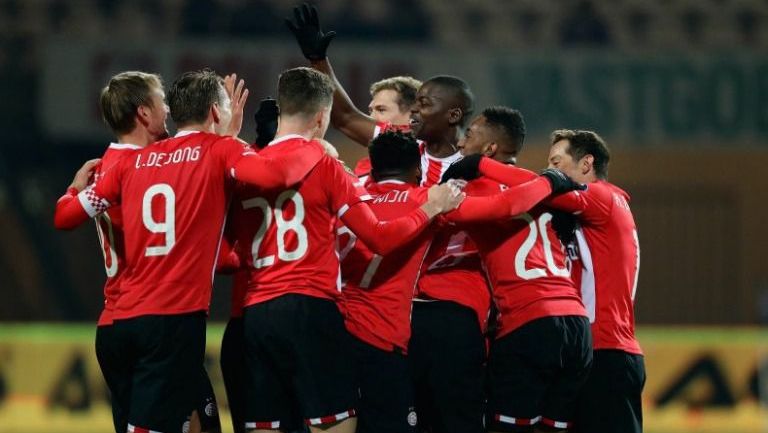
[382, 237]
[345, 117]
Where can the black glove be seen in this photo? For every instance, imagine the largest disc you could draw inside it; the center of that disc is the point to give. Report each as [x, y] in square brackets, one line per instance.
[467, 168]
[565, 225]
[560, 182]
[266, 122]
[306, 28]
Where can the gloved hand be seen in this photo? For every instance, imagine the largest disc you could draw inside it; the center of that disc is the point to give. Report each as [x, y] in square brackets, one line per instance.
[560, 182]
[266, 122]
[466, 168]
[306, 28]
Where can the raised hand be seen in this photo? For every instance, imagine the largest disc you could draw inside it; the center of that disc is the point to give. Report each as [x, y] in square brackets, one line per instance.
[238, 94]
[266, 122]
[560, 181]
[305, 26]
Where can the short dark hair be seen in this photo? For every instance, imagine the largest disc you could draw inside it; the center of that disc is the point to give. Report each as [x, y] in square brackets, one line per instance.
[583, 143]
[393, 153]
[509, 122]
[303, 91]
[461, 90]
[406, 88]
[123, 95]
[192, 94]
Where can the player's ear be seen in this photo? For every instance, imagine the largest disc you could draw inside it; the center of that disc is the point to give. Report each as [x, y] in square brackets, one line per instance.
[215, 112]
[587, 163]
[143, 114]
[455, 115]
[491, 149]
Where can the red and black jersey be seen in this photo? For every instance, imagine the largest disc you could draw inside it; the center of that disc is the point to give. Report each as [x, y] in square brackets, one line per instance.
[525, 263]
[378, 290]
[609, 259]
[173, 195]
[109, 228]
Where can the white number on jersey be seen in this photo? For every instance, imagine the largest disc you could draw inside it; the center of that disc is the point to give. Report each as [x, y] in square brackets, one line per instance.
[373, 266]
[283, 227]
[110, 263]
[167, 227]
[537, 228]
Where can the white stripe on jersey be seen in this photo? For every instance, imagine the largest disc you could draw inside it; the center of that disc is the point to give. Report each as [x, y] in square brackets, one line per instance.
[588, 295]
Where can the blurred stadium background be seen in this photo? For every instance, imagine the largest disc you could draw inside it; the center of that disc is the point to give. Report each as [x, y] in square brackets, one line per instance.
[678, 87]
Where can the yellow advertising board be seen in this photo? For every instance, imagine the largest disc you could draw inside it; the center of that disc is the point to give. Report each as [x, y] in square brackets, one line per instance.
[699, 380]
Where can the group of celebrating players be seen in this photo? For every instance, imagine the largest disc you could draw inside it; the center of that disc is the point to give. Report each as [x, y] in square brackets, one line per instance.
[440, 288]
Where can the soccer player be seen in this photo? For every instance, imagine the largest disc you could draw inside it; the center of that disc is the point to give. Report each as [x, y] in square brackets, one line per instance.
[391, 102]
[378, 290]
[296, 345]
[133, 106]
[178, 189]
[540, 357]
[447, 347]
[606, 269]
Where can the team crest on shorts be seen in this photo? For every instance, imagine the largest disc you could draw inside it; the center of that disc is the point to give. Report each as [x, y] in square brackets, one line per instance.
[412, 418]
[185, 427]
[210, 409]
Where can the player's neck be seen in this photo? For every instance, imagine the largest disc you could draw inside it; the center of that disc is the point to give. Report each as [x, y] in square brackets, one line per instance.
[207, 126]
[138, 137]
[444, 145]
[289, 126]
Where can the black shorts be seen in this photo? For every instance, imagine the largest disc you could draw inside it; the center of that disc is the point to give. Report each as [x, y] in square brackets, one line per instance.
[299, 362]
[233, 371]
[207, 408]
[447, 357]
[386, 391]
[611, 402]
[536, 373]
[153, 365]
[117, 370]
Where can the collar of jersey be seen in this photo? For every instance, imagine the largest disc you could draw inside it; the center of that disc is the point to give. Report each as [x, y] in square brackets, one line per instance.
[395, 181]
[279, 140]
[122, 146]
[184, 132]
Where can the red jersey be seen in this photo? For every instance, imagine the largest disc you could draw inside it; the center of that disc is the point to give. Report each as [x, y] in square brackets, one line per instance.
[177, 192]
[109, 228]
[378, 290]
[525, 263]
[609, 253]
[290, 233]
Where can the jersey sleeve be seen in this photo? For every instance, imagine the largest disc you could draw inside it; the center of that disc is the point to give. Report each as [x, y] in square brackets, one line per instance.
[382, 237]
[592, 205]
[281, 171]
[504, 173]
[74, 208]
[347, 190]
[504, 205]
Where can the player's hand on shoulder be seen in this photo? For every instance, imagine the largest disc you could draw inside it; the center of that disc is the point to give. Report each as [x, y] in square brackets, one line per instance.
[467, 168]
[560, 181]
[444, 198]
[305, 27]
[85, 174]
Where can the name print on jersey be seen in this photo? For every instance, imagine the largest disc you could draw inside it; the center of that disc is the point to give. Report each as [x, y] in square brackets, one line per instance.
[159, 159]
[392, 197]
